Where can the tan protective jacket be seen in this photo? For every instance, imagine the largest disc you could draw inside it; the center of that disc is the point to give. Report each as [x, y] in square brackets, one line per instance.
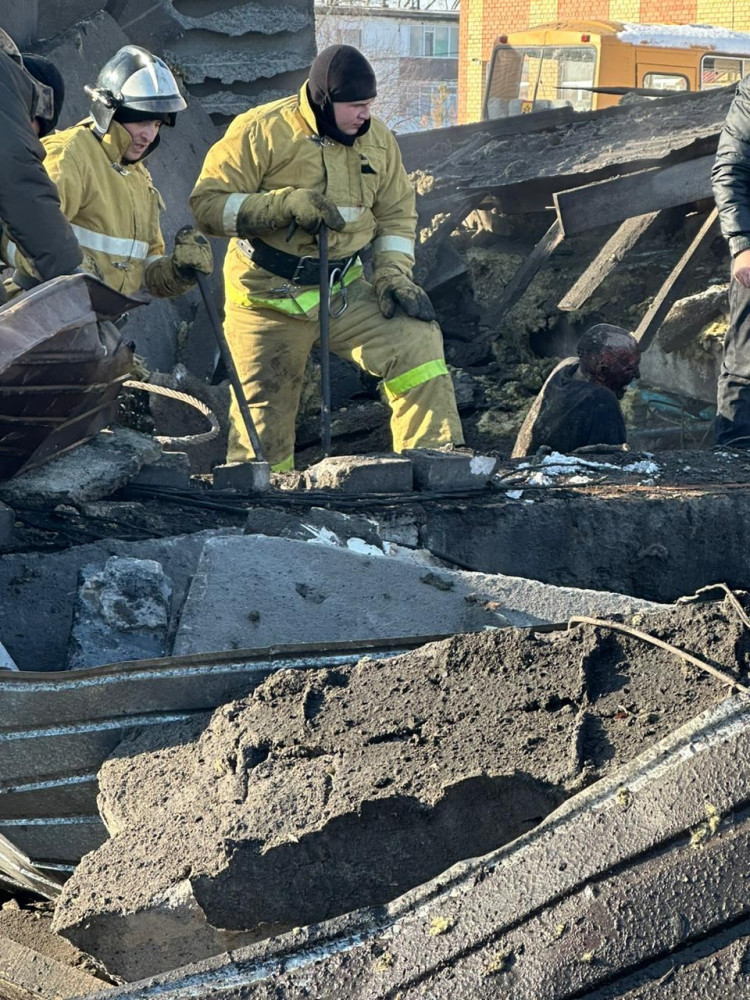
[271, 150]
[113, 207]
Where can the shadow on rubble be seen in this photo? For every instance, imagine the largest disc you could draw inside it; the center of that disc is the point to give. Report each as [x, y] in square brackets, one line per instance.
[400, 843]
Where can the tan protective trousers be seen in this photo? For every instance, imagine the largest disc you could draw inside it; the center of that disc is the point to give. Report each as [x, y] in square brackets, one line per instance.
[270, 349]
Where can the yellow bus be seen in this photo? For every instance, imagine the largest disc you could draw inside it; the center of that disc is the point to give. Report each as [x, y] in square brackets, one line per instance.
[592, 64]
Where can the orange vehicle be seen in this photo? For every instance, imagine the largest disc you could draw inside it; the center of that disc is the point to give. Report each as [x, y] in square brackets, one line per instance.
[593, 64]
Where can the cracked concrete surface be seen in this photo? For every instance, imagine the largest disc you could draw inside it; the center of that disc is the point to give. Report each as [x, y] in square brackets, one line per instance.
[330, 790]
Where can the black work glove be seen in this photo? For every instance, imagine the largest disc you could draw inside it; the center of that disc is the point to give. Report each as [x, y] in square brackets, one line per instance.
[310, 210]
[397, 290]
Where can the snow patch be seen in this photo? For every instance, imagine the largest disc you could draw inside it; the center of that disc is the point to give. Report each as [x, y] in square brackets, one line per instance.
[685, 36]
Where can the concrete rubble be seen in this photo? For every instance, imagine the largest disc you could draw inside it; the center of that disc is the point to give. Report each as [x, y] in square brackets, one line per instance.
[327, 791]
[122, 613]
[326, 733]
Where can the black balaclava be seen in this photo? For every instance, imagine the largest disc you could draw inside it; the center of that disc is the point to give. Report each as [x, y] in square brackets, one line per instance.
[48, 74]
[125, 115]
[339, 73]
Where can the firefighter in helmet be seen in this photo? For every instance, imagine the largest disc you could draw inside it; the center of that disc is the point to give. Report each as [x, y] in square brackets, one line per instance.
[105, 189]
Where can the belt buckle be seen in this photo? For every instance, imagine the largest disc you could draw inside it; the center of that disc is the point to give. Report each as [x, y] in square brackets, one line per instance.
[300, 268]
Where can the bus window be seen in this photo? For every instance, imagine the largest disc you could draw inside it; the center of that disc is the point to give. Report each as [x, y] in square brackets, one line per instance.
[532, 79]
[720, 71]
[665, 81]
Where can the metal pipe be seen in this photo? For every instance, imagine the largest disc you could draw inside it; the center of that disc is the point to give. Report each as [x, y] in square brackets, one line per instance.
[325, 343]
[230, 366]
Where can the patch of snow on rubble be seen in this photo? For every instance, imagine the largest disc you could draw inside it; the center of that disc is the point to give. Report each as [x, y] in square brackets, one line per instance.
[482, 465]
[645, 468]
[514, 494]
[683, 36]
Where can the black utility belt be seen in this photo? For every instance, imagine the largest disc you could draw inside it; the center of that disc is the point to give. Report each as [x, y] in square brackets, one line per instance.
[298, 270]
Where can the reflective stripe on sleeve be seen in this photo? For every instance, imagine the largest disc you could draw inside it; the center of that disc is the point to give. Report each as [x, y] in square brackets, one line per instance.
[232, 207]
[113, 245]
[398, 243]
[152, 260]
[415, 376]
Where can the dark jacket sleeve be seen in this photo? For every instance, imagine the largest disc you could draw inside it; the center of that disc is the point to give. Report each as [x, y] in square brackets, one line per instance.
[29, 206]
[731, 172]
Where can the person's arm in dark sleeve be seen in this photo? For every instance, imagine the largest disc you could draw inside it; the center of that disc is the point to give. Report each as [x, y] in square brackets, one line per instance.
[29, 205]
[604, 421]
[731, 172]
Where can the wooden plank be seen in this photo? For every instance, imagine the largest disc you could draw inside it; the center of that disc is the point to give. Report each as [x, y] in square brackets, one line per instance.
[530, 268]
[610, 255]
[675, 285]
[619, 198]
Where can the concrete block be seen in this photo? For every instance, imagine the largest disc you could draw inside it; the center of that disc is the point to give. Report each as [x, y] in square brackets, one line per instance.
[7, 520]
[361, 474]
[90, 472]
[121, 613]
[249, 477]
[39, 589]
[172, 470]
[332, 789]
[317, 524]
[450, 470]
[256, 591]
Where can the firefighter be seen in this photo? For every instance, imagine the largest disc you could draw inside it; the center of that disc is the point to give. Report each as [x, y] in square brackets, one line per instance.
[30, 214]
[106, 191]
[280, 172]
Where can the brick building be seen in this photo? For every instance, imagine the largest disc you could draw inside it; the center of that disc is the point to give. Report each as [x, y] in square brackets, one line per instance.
[483, 20]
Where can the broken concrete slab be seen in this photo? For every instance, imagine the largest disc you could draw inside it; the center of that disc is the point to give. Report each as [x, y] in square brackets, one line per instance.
[56, 17]
[121, 613]
[450, 470]
[39, 588]
[247, 477]
[257, 591]
[326, 788]
[91, 471]
[172, 470]
[633, 888]
[230, 50]
[361, 474]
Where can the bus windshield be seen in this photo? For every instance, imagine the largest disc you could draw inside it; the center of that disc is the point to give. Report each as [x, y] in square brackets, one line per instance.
[538, 77]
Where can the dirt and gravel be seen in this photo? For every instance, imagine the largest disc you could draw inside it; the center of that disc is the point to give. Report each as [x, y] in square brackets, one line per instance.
[331, 790]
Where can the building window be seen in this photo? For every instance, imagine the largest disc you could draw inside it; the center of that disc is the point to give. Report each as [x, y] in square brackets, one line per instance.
[433, 41]
[349, 36]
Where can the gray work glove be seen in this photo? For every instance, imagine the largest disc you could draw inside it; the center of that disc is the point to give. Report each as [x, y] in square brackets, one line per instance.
[310, 210]
[397, 290]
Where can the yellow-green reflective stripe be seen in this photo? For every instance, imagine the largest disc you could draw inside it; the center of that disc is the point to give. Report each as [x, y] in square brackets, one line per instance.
[303, 303]
[415, 376]
[286, 466]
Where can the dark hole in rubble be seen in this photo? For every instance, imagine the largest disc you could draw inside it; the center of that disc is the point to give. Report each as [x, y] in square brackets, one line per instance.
[400, 844]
